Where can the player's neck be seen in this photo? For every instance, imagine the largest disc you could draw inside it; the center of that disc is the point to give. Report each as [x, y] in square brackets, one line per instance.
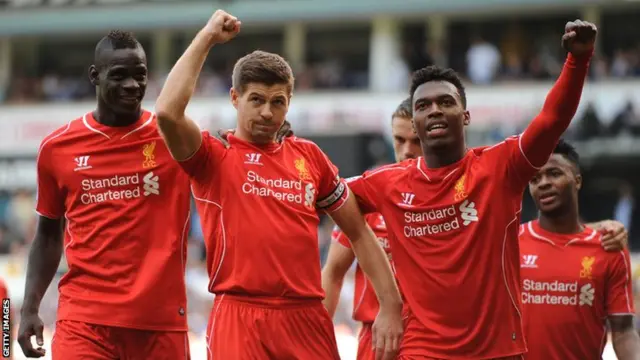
[441, 157]
[110, 118]
[566, 223]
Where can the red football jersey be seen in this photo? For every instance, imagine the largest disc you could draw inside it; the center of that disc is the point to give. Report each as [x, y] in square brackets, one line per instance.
[126, 205]
[365, 301]
[259, 212]
[570, 285]
[454, 235]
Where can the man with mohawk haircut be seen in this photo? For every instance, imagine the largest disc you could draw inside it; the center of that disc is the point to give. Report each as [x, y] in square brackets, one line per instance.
[107, 181]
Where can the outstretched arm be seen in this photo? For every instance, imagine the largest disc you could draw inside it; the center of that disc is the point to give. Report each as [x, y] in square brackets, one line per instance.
[181, 134]
[541, 136]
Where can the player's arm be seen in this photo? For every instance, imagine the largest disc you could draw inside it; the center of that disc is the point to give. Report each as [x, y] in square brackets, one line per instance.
[181, 134]
[43, 261]
[625, 338]
[614, 235]
[334, 198]
[541, 136]
[388, 326]
[46, 250]
[620, 307]
[338, 263]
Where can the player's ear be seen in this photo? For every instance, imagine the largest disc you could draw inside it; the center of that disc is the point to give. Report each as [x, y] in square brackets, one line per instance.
[467, 118]
[233, 94]
[93, 75]
[578, 182]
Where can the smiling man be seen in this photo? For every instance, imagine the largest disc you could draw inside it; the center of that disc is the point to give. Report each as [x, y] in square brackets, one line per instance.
[453, 215]
[108, 182]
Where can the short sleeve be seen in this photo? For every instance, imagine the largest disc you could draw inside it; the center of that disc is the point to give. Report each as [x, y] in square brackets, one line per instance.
[619, 288]
[332, 189]
[50, 200]
[364, 190]
[205, 159]
[338, 236]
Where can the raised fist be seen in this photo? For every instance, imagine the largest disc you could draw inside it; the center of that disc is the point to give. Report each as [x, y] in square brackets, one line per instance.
[222, 27]
[579, 37]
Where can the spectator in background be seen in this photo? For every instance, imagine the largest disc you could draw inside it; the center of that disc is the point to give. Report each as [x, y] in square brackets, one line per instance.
[589, 126]
[620, 67]
[626, 122]
[483, 61]
[20, 213]
[624, 209]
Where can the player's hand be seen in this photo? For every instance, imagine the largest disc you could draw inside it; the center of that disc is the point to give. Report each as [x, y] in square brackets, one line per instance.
[579, 37]
[222, 136]
[31, 325]
[222, 27]
[386, 333]
[614, 236]
[284, 132]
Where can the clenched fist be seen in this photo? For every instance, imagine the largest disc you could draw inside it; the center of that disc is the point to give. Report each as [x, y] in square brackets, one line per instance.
[579, 37]
[222, 27]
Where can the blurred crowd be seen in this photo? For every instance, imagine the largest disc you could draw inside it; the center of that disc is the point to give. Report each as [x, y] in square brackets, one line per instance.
[483, 56]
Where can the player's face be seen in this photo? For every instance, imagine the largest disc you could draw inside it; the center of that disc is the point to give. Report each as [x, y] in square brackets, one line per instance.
[406, 144]
[261, 110]
[555, 186]
[438, 114]
[122, 79]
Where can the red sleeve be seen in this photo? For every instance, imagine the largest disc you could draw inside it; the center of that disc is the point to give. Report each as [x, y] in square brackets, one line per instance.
[4, 293]
[206, 159]
[338, 236]
[332, 189]
[537, 142]
[49, 195]
[365, 192]
[619, 288]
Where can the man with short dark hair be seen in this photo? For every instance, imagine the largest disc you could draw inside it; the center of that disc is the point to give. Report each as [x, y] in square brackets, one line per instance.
[452, 216]
[259, 200]
[107, 181]
[571, 286]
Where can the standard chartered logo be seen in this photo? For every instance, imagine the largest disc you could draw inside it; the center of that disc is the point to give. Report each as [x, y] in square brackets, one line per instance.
[468, 212]
[151, 184]
[587, 294]
[309, 195]
[286, 190]
[118, 187]
[557, 293]
[440, 220]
